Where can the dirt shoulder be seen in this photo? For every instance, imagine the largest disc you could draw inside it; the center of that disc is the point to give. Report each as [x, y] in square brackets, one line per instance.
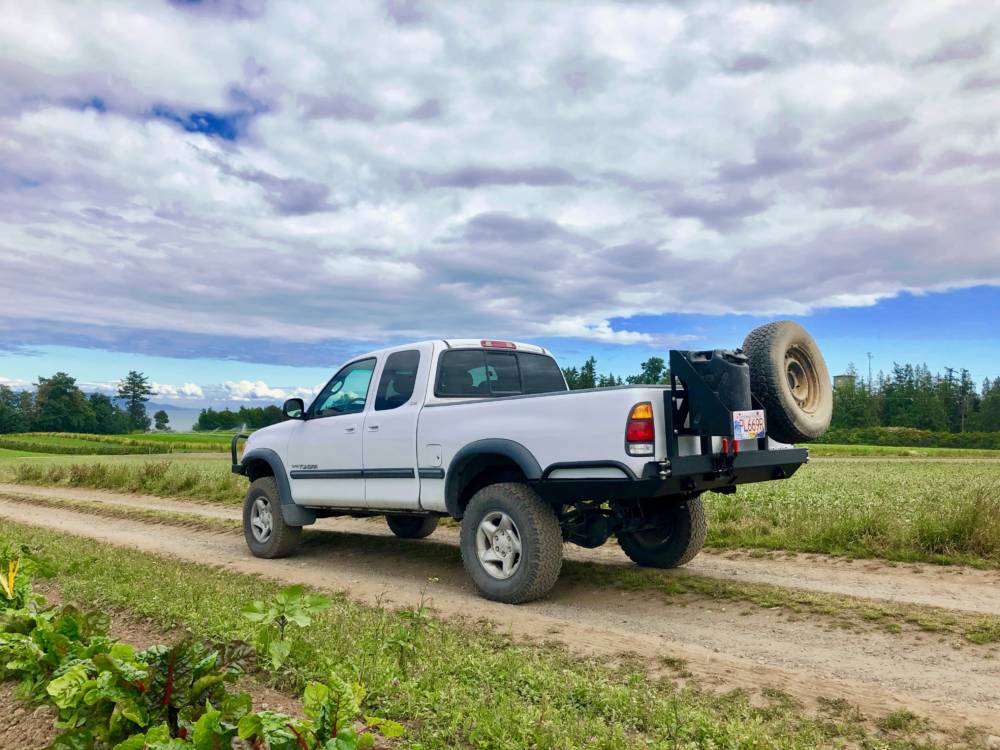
[723, 644]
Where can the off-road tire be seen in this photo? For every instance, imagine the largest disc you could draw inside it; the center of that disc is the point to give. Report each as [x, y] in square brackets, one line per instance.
[407, 526]
[284, 538]
[789, 377]
[541, 542]
[675, 543]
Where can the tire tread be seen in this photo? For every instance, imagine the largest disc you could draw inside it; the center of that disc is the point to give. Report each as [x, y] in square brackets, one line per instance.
[545, 560]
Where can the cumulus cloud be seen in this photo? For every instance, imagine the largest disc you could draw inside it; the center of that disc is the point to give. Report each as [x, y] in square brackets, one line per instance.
[241, 187]
[183, 391]
[258, 390]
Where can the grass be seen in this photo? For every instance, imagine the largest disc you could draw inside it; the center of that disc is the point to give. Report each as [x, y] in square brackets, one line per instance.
[672, 587]
[931, 511]
[823, 450]
[83, 443]
[209, 480]
[76, 445]
[6, 453]
[454, 684]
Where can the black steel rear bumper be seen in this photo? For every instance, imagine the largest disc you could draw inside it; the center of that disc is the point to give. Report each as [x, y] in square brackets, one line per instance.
[682, 475]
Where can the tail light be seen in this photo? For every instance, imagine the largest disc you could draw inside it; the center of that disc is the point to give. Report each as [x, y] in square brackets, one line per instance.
[640, 435]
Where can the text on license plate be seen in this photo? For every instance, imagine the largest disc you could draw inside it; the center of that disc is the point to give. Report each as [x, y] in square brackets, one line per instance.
[749, 425]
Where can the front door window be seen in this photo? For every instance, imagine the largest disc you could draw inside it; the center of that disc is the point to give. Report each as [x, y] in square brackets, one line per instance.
[346, 392]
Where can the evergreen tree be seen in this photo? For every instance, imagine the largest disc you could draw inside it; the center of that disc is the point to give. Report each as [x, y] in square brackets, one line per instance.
[135, 391]
[588, 374]
[853, 405]
[654, 371]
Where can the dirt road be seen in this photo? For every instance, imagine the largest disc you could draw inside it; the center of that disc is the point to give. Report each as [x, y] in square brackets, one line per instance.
[951, 587]
[726, 644]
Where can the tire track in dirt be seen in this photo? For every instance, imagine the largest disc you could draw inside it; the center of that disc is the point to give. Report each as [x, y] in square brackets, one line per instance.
[948, 587]
[725, 644]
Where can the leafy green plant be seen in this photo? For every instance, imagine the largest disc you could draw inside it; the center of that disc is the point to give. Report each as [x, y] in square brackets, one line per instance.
[290, 606]
[17, 565]
[109, 695]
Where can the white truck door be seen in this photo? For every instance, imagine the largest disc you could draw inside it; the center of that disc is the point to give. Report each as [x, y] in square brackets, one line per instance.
[390, 431]
[325, 453]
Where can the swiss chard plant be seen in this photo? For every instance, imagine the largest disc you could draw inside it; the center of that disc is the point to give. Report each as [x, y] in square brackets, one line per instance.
[290, 606]
[109, 696]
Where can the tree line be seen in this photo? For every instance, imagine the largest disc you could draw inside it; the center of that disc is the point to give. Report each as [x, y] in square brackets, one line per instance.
[908, 396]
[59, 405]
[248, 417]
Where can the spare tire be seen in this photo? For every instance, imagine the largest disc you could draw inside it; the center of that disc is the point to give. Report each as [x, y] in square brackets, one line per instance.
[789, 377]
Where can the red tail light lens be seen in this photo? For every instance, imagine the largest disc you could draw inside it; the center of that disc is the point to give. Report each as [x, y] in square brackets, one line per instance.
[640, 433]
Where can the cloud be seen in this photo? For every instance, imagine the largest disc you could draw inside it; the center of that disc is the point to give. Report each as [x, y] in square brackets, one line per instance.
[338, 107]
[205, 180]
[183, 391]
[258, 390]
[475, 177]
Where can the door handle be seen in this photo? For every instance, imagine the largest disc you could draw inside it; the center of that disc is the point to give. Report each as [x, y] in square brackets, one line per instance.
[373, 428]
[352, 428]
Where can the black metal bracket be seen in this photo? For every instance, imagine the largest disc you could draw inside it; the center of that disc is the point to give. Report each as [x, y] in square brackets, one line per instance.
[237, 467]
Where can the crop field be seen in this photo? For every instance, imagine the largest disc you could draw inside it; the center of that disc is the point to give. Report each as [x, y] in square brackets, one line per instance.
[823, 450]
[83, 444]
[757, 643]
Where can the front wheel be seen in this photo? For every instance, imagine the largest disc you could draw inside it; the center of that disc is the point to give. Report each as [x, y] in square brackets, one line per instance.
[264, 526]
[678, 536]
[511, 543]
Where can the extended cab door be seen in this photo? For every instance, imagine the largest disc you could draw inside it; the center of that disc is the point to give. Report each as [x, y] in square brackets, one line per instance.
[325, 452]
[390, 439]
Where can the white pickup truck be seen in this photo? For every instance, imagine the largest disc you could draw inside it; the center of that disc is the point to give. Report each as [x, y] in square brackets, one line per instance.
[487, 432]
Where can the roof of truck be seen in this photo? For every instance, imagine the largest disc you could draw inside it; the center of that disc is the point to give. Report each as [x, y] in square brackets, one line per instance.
[499, 345]
[485, 344]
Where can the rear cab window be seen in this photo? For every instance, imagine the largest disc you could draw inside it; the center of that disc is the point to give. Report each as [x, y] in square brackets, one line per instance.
[485, 373]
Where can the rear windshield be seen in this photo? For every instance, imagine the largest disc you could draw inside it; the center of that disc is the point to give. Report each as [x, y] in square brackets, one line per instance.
[479, 373]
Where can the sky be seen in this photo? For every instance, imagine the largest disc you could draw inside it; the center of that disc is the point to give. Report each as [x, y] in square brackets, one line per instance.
[236, 196]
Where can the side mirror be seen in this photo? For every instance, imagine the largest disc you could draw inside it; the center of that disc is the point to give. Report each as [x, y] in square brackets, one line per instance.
[294, 408]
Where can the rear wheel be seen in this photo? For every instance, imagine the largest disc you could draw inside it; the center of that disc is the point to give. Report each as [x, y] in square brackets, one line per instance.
[511, 543]
[789, 377]
[678, 536]
[264, 526]
[411, 526]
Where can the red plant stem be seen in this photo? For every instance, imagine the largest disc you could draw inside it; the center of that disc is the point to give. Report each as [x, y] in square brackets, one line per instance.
[169, 689]
[301, 740]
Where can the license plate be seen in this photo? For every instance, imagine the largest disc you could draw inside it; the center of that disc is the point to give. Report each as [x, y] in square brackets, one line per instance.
[749, 425]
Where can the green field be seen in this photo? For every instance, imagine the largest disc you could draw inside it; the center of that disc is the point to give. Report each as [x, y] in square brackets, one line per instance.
[140, 443]
[888, 451]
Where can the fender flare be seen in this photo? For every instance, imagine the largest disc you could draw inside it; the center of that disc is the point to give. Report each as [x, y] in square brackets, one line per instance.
[511, 449]
[294, 515]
